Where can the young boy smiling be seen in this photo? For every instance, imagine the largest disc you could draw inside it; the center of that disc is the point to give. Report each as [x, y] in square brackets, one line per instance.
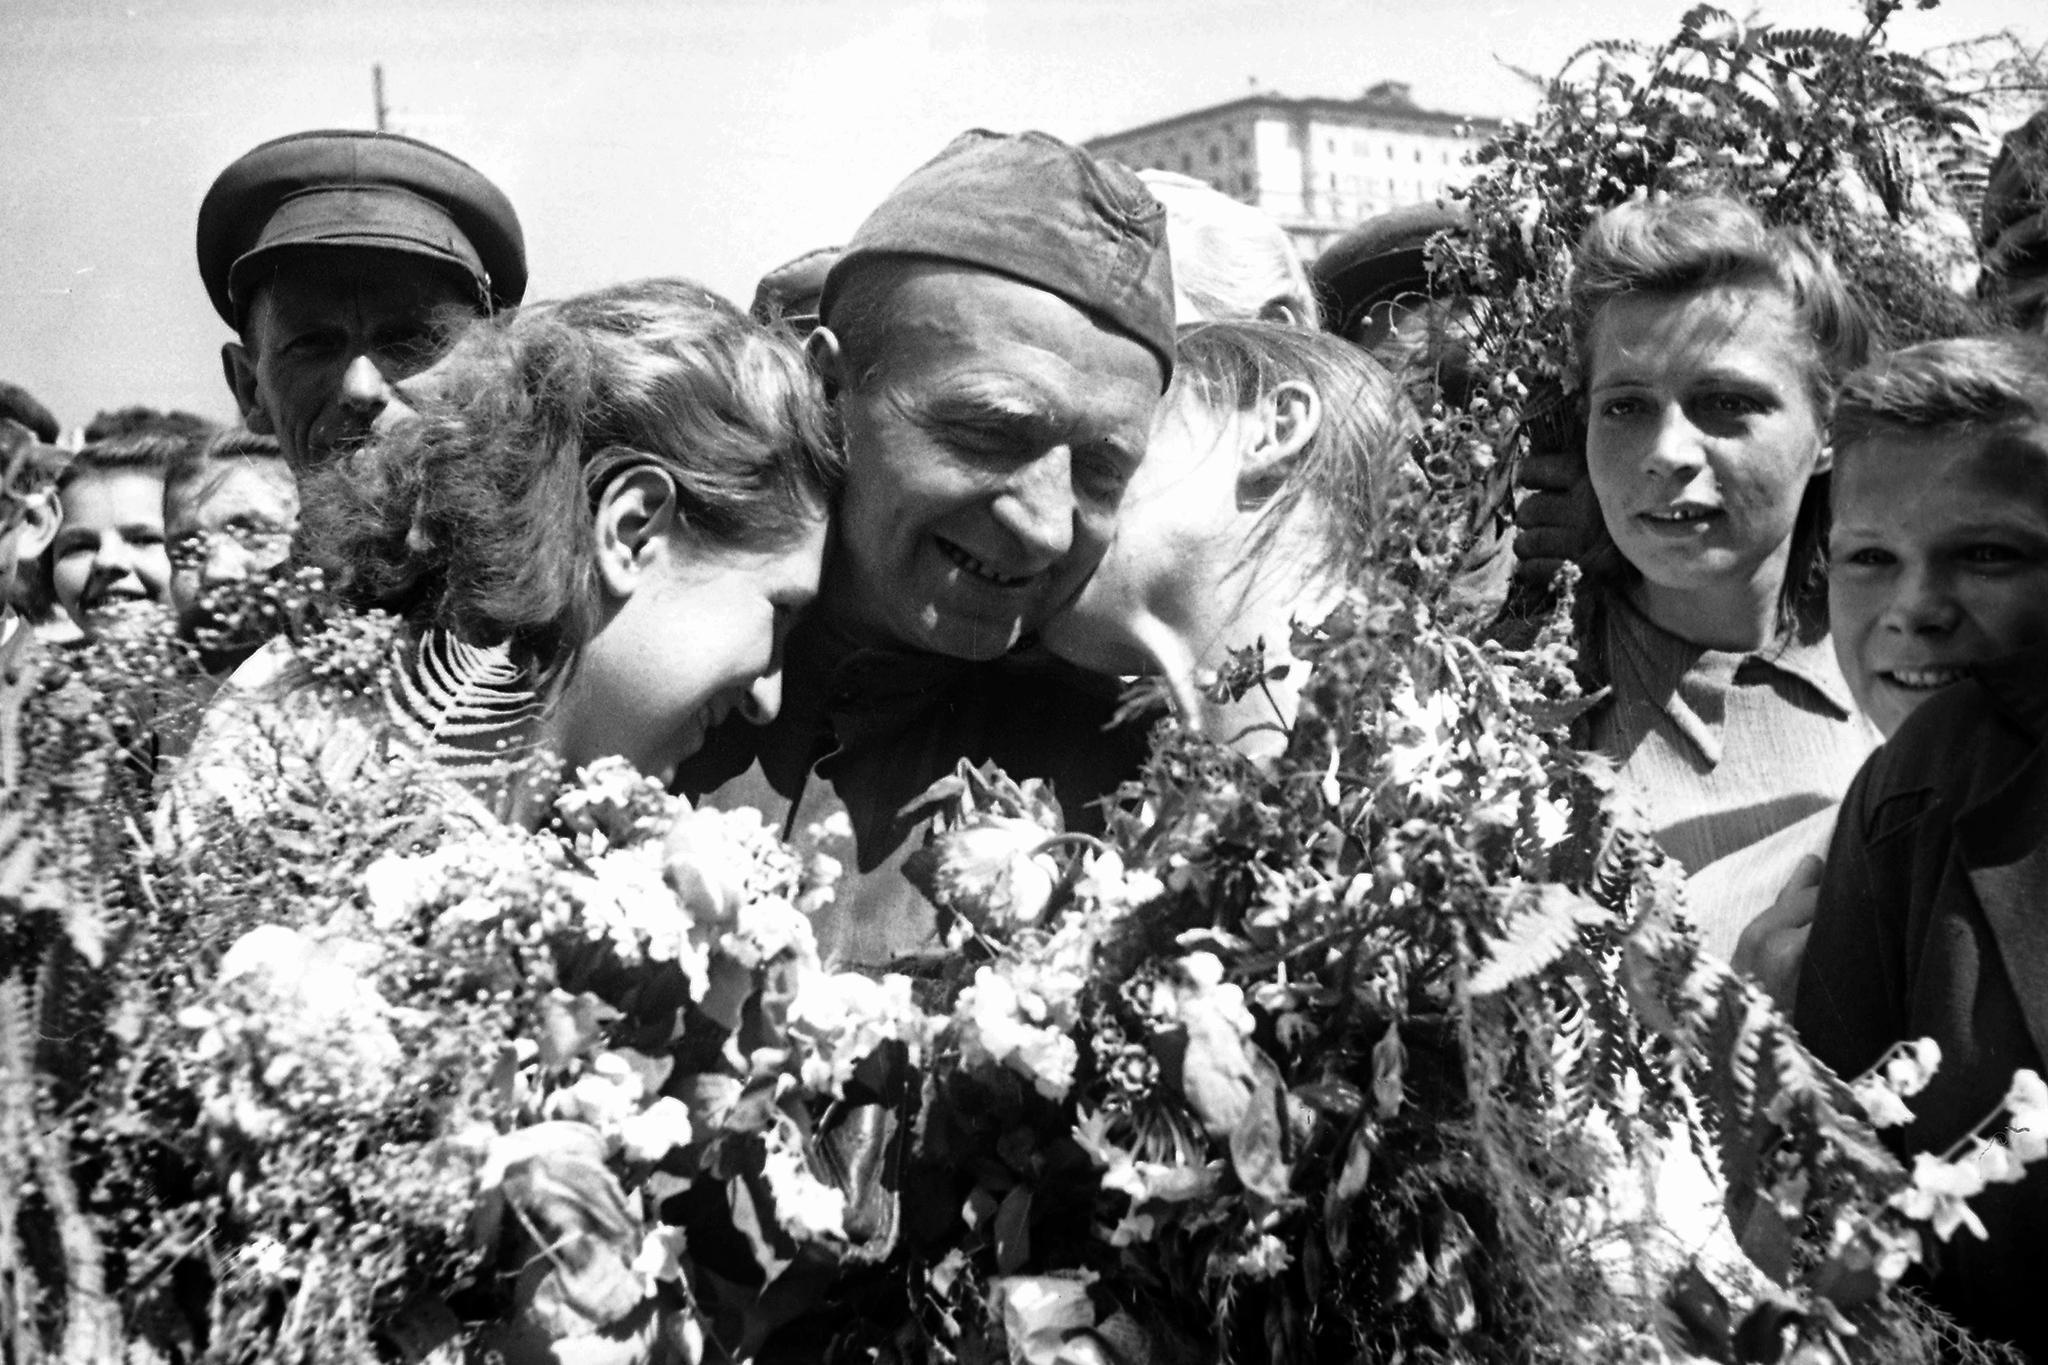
[1933, 913]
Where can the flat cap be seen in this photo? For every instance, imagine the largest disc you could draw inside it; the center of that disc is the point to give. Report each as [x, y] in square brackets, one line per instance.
[2013, 233]
[789, 293]
[357, 189]
[1038, 210]
[1378, 261]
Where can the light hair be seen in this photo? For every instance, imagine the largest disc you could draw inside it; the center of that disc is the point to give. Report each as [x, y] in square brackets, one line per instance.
[478, 516]
[1231, 261]
[1356, 467]
[1980, 384]
[1675, 247]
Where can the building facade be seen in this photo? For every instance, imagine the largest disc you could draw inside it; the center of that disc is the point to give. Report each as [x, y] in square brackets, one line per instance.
[1318, 166]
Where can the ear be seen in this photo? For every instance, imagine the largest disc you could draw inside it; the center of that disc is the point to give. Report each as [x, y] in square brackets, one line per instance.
[239, 367]
[1282, 312]
[636, 514]
[38, 525]
[822, 347]
[1826, 462]
[1287, 419]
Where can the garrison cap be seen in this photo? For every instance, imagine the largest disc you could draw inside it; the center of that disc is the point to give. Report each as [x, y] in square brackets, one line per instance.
[357, 189]
[1038, 210]
[789, 293]
[1380, 260]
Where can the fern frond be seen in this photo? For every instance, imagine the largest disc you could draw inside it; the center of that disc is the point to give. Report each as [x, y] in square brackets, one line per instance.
[1543, 923]
[466, 705]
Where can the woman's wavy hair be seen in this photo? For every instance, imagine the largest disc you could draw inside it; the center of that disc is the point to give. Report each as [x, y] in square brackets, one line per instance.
[1674, 247]
[478, 517]
[1356, 469]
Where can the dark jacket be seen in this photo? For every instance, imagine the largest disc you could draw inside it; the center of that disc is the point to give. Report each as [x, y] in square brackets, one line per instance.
[1933, 922]
[864, 731]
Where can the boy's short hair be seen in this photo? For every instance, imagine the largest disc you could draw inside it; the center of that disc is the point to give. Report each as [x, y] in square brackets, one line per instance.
[1981, 383]
[200, 462]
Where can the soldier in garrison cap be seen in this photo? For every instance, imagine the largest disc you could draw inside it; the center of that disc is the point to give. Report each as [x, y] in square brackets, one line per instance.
[995, 338]
[338, 258]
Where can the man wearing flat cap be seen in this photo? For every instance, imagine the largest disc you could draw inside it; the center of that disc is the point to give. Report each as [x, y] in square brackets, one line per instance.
[337, 257]
[995, 337]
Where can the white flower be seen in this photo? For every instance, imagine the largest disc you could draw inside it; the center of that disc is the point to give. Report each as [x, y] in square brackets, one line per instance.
[992, 872]
[1268, 1257]
[1937, 1193]
[1007, 1027]
[1553, 821]
[1422, 742]
[656, 1130]
[2027, 1104]
[807, 1208]
[1106, 884]
[1040, 1313]
[602, 1103]
[312, 1002]
[708, 860]
[398, 886]
[838, 1018]
[1911, 1065]
[769, 928]
[660, 1255]
[1881, 1104]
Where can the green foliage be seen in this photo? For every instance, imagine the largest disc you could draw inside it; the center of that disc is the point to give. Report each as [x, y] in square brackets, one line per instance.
[1871, 151]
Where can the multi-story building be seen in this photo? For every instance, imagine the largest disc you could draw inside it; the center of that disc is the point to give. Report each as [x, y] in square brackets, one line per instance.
[1318, 166]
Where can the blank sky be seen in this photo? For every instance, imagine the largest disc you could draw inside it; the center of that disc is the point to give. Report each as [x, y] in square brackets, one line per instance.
[711, 138]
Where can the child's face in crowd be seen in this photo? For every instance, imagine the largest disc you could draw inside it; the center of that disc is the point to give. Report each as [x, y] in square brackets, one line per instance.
[230, 524]
[1938, 560]
[1702, 439]
[110, 545]
[22, 543]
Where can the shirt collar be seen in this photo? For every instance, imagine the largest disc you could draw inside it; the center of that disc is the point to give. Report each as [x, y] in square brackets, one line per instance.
[1688, 682]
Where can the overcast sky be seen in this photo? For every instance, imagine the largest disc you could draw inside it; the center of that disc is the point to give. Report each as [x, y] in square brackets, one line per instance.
[711, 138]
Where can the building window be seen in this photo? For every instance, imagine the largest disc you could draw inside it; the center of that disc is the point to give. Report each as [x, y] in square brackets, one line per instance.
[1215, 154]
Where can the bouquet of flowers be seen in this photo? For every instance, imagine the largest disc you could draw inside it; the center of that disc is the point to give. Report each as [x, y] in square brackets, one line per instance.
[360, 1071]
[1372, 1055]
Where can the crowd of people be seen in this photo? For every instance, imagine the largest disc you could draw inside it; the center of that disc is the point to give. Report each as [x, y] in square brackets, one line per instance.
[1044, 424]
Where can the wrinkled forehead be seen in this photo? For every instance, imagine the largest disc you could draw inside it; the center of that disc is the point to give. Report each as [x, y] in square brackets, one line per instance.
[945, 323]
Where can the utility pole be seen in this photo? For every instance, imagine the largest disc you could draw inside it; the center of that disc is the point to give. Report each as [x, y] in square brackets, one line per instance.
[383, 110]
